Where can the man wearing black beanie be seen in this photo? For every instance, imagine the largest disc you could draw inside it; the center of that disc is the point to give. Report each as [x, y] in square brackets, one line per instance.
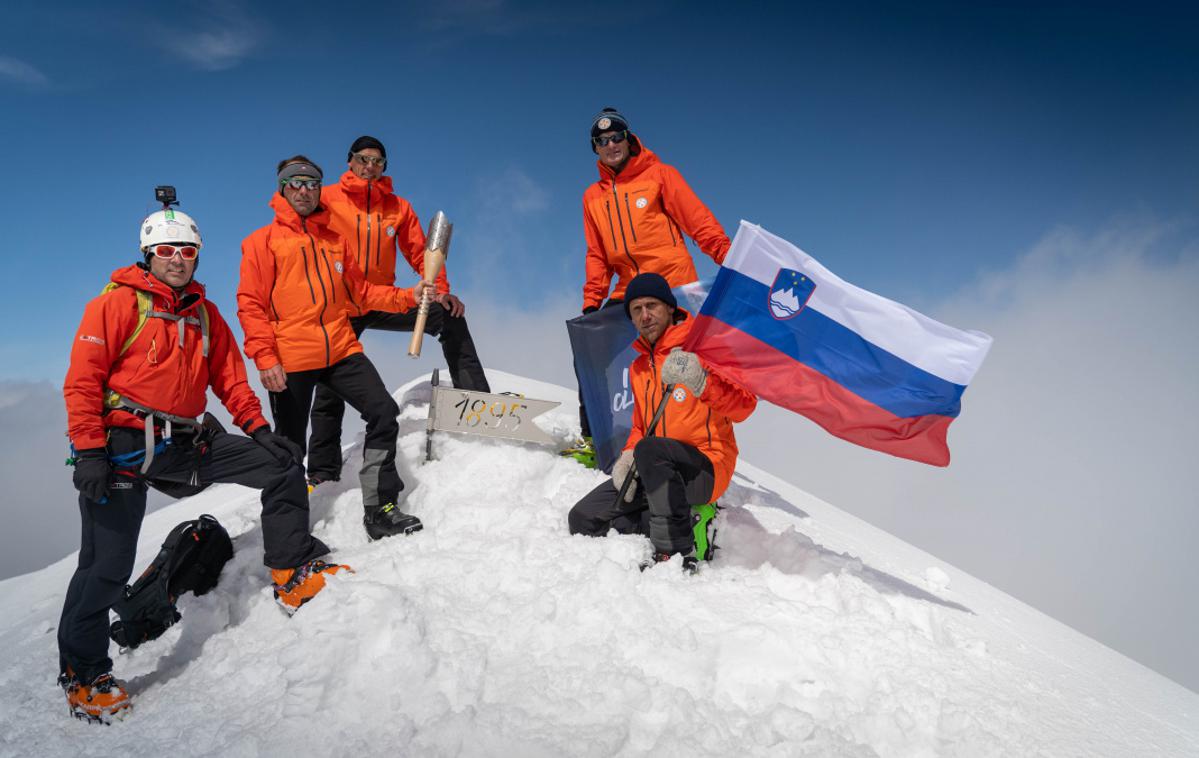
[681, 451]
[377, 224]
[634, 219]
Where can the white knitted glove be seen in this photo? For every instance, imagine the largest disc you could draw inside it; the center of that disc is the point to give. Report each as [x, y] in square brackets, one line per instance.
[681, 367]
[622, 468]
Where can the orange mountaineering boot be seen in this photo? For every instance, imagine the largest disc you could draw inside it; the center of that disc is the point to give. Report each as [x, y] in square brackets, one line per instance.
[294, 587]
[100, 702]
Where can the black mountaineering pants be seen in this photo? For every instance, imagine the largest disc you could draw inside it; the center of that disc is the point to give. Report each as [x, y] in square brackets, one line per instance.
[109, 535]
[672, 477]
[353, 380]
[328, 410]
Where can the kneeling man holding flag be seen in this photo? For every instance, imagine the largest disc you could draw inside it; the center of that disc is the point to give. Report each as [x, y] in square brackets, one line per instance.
[681, 448]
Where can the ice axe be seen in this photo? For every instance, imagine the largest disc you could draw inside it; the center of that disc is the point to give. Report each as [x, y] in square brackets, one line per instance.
[437, 248]
[653, 425]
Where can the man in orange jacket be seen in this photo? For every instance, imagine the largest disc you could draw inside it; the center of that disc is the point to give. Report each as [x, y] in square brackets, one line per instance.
[684, 455]
[375, 223]
[298, 281]
[634, 219]
[143, 359]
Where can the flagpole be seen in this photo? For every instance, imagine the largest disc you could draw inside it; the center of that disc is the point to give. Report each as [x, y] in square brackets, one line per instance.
[653, 425]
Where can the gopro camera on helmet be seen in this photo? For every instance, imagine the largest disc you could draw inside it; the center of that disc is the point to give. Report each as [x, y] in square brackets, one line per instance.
[165, 194]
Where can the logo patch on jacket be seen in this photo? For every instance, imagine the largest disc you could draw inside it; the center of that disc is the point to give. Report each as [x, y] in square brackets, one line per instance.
[679, 394]
[90, 338]
[641, 202]
[337, 266]
[391, 231]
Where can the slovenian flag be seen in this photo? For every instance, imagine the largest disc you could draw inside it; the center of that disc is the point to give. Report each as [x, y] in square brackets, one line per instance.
[867, 369]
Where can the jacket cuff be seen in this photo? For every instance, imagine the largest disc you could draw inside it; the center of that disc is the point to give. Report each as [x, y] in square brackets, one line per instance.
[265, 361]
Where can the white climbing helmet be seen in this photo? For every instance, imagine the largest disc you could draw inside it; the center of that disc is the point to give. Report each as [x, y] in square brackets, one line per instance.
[169, 225]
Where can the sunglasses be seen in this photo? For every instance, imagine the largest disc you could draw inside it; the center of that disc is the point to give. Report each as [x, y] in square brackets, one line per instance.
[167, 252]
[616, 138]
[369, 160]
[296, 183]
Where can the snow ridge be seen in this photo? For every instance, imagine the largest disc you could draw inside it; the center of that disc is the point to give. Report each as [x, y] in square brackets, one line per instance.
[494, 633]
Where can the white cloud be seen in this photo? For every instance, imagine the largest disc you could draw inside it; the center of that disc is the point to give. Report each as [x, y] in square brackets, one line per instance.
[219, 37]
[22, 73]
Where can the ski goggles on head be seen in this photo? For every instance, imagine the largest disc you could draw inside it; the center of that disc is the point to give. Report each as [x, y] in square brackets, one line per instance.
[297, 183]
[369, 160]
[167, 252]
[616, 138]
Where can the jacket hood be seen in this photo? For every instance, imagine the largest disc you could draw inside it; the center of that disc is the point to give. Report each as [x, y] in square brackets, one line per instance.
[674, 336]
[356, 187]
[139, 278]
[635, 165]
[286, 215]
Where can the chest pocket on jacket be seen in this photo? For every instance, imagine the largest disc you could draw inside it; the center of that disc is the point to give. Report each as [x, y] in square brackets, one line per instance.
[642, 203]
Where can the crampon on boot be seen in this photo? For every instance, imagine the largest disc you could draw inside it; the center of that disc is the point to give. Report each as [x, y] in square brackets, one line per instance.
[388, 520]
[582, 451]
[100, 702]
[294, 587]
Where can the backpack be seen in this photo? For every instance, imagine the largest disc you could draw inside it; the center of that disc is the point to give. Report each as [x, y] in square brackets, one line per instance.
[190, 560]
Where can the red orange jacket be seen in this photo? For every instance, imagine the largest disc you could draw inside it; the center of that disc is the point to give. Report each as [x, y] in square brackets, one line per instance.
[157, 370]
[634, 223]
[296, 284]
[705, 422]
[375, 222]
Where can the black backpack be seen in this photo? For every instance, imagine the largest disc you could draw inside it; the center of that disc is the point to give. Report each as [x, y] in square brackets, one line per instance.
[190, 560]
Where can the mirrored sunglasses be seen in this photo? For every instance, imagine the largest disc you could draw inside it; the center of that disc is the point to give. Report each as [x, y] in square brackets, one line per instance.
[369, 160]
[604, 139]
[297, 183]
[186, 252]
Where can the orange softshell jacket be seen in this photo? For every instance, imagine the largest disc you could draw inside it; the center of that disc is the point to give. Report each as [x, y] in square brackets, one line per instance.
[705, 422]
[374, 221]
[632, 222]
[161, 369]
[296, 283]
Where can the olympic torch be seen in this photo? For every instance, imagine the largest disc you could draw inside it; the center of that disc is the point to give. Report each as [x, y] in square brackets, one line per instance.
[437, 247]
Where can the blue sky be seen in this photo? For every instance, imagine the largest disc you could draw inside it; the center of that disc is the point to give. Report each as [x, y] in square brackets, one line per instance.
[1027, 169]
[908, 148]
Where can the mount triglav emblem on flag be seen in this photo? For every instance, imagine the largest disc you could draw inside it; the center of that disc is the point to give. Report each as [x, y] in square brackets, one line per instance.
[789, 293]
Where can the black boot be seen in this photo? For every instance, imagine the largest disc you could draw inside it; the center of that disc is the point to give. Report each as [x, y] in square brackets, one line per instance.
[386, 520]
[690, 561]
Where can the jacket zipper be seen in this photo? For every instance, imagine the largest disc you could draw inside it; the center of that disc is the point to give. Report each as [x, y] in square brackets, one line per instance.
[315, 263]
[358, 238]
[620, 223]
[379, 239]
[329, 271]
[366, 267]
[629, 211]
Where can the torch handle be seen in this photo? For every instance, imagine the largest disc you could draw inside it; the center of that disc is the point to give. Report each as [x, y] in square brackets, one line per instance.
[433, 262]
[437, 247]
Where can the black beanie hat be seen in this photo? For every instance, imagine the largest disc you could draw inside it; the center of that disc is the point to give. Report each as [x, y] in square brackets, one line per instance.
[364, 142]
[607, 120]
[648, 285]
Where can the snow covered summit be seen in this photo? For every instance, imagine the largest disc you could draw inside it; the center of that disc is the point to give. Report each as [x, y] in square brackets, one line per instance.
[495, 633]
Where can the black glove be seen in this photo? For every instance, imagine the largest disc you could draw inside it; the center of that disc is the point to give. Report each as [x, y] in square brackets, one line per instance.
[284, 450]
[92, 471]
[590, 309]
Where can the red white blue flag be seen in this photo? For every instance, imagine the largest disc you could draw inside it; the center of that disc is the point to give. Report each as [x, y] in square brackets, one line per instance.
[867, 369]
